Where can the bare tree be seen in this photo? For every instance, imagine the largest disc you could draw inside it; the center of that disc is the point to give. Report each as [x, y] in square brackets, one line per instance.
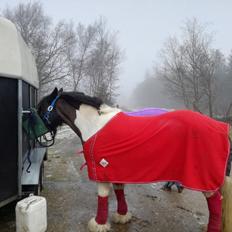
[103, 64]
[229, 86]
[48, 43]
[32, 23]
[93, 61]
[54, 62]
[224, 90]
[173, 72]
[189, 67]
[86, 58]
[77, 54]
[150, 93]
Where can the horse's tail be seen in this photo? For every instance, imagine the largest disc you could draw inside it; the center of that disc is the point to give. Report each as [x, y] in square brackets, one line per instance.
[227, 205]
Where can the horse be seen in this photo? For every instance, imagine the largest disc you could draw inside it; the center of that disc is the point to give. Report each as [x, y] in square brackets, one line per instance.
[92, 121]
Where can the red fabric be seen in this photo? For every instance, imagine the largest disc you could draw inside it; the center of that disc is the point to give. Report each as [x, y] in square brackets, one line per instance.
[102, 210]
[215, 212]
[122, 205]
[182, 146]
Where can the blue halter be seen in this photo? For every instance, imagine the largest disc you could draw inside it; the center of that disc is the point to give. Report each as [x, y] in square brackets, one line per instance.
[49, 110]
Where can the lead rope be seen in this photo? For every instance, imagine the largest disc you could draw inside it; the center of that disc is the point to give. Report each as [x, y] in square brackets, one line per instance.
[29, 144]
[85, 163]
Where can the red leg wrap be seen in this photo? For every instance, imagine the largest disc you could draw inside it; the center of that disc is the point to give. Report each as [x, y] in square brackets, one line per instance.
[122, 205]
[215, 212]
[102, 210]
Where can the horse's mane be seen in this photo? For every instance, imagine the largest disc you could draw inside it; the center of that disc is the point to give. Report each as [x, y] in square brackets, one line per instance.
[77, 98]
[105, 109]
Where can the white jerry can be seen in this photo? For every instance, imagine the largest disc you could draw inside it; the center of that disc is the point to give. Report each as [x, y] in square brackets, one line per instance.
[31, 214]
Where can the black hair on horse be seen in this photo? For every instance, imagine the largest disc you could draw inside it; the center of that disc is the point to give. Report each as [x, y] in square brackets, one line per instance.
[54, 118]
[77, 98]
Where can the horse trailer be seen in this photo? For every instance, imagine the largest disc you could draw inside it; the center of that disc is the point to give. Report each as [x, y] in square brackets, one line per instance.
[21, 159]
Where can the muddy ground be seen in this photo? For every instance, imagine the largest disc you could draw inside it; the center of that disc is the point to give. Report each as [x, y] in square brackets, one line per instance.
[71, 199]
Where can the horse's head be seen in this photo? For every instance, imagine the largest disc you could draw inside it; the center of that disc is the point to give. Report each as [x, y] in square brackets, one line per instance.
[61, 107]
[48, 112]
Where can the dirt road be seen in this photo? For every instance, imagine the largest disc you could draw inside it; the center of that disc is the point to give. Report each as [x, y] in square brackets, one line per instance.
[71, 199]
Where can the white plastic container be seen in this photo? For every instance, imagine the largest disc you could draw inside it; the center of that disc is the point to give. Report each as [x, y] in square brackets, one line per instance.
[31, 214]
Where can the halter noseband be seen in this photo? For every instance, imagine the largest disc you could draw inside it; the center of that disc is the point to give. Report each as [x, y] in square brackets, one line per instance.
[49, 109]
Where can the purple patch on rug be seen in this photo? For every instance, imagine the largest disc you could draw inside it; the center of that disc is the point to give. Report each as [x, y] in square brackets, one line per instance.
[147, 112]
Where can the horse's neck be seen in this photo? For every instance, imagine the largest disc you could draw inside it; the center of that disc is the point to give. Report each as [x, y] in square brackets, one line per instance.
[89, 121]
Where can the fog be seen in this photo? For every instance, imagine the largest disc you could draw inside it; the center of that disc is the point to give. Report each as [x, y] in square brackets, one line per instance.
[142, 28]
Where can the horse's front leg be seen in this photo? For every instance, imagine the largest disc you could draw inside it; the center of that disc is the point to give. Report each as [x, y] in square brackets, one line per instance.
[214, 201]
[122, 215]
[99, 223]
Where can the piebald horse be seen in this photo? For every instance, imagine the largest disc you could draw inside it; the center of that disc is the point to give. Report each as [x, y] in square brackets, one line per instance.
[86, 116]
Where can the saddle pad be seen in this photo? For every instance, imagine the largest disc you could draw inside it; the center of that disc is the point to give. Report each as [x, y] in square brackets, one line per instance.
[182, 146]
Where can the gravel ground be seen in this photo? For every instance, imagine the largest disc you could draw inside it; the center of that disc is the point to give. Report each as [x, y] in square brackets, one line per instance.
[71, 199]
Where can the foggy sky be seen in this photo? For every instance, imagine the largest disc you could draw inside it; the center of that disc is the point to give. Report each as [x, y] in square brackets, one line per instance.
[143, 26]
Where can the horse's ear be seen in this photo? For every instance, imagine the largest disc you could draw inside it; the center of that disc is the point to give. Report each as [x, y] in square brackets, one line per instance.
[60, 91]
[54, 93]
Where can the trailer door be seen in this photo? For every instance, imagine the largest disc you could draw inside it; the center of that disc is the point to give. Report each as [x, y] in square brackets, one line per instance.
[8, 139]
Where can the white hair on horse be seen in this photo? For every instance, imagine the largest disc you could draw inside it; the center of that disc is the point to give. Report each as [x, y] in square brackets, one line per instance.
[90, 120]
[105, 109]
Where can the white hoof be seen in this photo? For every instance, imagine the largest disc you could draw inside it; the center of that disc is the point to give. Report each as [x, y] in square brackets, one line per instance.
[93, 226]
[122, 219]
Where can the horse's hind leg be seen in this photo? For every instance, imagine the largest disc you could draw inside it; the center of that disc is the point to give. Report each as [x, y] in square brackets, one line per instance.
[99, 223]
[214, 201]
[122, 215]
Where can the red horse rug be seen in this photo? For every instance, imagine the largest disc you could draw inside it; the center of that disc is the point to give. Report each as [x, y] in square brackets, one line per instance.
[182, 146]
